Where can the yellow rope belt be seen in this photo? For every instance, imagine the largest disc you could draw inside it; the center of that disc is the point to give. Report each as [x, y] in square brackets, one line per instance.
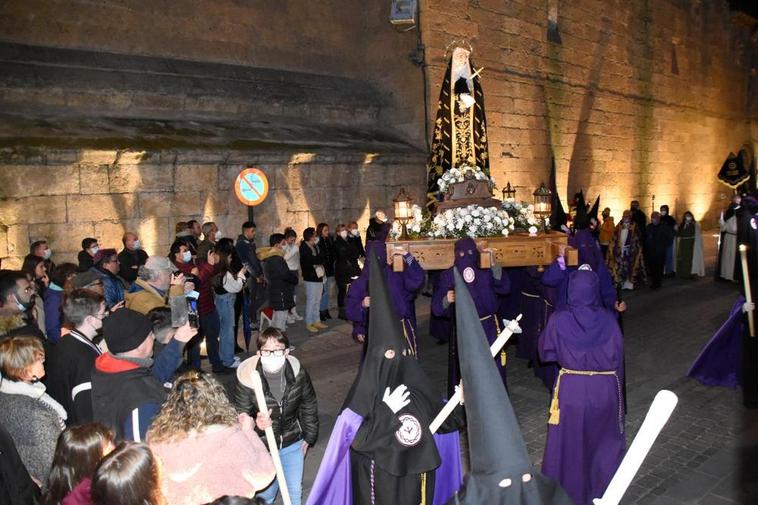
[530, 295]
[503, 355]
[411, 345]
[555, 411]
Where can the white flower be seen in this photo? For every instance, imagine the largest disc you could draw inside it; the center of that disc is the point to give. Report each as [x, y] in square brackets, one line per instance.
[532, 230]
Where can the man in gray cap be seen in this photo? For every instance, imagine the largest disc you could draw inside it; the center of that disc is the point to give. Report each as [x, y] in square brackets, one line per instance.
[155, 285]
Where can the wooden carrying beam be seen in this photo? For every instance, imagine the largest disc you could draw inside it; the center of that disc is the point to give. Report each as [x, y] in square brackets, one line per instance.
[517, 250]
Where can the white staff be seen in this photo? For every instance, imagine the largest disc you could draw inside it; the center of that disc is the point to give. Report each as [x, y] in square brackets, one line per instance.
[657, 417]
[748, 293]
[510, 328]
[260, 399]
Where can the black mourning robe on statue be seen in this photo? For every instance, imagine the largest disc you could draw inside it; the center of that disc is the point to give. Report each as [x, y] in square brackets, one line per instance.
[460, 136]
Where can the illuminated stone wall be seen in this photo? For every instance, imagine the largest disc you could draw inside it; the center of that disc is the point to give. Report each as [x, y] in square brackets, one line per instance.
[66, 195]
[640, 98]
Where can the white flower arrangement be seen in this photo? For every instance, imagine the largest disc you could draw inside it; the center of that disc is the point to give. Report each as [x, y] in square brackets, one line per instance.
[472, 221]
[459, 174]
[522, 214]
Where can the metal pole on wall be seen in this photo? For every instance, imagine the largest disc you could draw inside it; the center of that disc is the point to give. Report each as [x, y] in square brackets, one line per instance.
[251, 213]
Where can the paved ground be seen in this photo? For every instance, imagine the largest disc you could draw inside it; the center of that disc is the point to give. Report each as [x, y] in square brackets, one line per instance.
[707, 454]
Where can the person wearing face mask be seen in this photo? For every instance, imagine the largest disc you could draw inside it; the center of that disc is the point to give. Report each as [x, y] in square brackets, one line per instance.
[53, 300]
[354, 236]
[35, 269]
[131, 257]
[625, 254]
[69, 364]
[280, 280]
[107, 267]
[211, 234]
[312, 267]
[32, 417]
[606, 231]
[668, 220]
[16, 298]
[688, 249]
[291, 402]
[155, 285]
[346, 266]
[90, 247]
[181, 256]
[292, 257]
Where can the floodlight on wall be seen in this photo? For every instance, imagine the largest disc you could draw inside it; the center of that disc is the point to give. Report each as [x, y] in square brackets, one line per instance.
[403, 12]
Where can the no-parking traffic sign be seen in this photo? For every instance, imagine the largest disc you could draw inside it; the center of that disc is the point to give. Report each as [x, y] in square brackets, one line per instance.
[251, 186]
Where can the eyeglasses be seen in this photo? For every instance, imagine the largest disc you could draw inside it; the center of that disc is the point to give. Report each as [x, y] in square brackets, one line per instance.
[276, 352]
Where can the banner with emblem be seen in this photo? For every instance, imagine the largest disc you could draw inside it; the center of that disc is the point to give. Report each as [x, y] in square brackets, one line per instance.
[733, 172]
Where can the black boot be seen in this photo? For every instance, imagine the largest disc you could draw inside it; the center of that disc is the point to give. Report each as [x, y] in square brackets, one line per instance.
[341, 314]
[322, 316]
[327, 315]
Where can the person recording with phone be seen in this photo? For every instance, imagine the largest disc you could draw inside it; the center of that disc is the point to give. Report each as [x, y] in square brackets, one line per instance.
[227, 283]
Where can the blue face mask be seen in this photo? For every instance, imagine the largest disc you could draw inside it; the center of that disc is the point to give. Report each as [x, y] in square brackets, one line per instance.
[186, 256]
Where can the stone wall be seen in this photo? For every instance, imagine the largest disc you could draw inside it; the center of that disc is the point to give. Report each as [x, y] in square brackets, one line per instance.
[640, 98]
[66, 195]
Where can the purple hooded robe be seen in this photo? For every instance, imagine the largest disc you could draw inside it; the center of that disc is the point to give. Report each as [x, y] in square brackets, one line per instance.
[484, 286]
[403, 287]
[585, 437]
[720, 361]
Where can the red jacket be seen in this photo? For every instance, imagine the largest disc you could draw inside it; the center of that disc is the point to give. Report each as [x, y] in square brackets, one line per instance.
[205, 303]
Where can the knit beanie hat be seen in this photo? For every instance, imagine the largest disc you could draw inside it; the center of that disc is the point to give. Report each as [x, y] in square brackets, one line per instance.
[125, 330]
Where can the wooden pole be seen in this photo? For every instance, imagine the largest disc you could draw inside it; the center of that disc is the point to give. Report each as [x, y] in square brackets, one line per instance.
[657, 417]
[454, 400]
[746, 285]
[273, 448]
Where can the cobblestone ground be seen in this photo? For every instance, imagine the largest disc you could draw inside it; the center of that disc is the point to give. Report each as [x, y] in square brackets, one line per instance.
[705, 455]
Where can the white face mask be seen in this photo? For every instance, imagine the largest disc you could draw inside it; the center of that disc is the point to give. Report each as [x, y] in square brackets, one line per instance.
[136, 245]
[355, 232]
[688, 218]
[94, 250]
[47, 254]
[343, 234]
[664, 212]
[272, 364]
[318, 239]
[218, 234]
[186, 256]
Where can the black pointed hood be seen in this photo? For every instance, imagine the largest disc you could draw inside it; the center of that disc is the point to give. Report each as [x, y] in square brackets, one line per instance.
[594, 210]
[581, 220]
[557, 214]
[388, 364]
[500, 462]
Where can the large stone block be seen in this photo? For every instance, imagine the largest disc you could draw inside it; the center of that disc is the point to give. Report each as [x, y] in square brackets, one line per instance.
[138, 178]
[3, 241]
[28, 180]
[48, 209]
[17, 240]
[82, 208]
[93, 178]
[217, 203]
[196, 177]
[166, 204]
[64, 237]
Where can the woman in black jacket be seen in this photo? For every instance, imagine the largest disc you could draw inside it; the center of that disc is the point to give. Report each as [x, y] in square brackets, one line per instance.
[346, 267]
[280, 280]
[291, 402]
[326, 246]
[312, 267]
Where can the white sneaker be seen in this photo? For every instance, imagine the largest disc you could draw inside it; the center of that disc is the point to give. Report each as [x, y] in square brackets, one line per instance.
[291, 319]
[235, 363]
[297, 316]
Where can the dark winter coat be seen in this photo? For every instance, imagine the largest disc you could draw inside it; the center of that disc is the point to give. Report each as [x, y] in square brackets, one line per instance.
[346, 266]
[308, 262]
[16, 485]
[16, 324]
[281, 281]
[329, 254]
[297, 416]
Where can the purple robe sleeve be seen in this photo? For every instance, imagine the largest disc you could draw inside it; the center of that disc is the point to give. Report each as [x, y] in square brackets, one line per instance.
[333, 484]
[720, 360]
[502, 286]
[554, 275]
[357, 291]
[444, 284]
[449, 476]
[547, 344]
[413, 274]
[607, 288]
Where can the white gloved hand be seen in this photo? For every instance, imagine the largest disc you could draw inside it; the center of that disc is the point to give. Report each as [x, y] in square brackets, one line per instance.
[459, 389]
[398, 399]
[748, 307]
[512, 325]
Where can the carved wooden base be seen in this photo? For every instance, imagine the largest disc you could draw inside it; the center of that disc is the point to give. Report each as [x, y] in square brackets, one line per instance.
[517, 250]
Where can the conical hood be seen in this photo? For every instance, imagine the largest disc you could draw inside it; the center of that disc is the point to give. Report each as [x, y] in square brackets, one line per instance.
[580, 218]
[388, 364]
[501, 470]
[595, 208]
[557, 214]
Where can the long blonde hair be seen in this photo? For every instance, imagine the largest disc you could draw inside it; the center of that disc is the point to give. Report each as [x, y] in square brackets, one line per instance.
[196, 401]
